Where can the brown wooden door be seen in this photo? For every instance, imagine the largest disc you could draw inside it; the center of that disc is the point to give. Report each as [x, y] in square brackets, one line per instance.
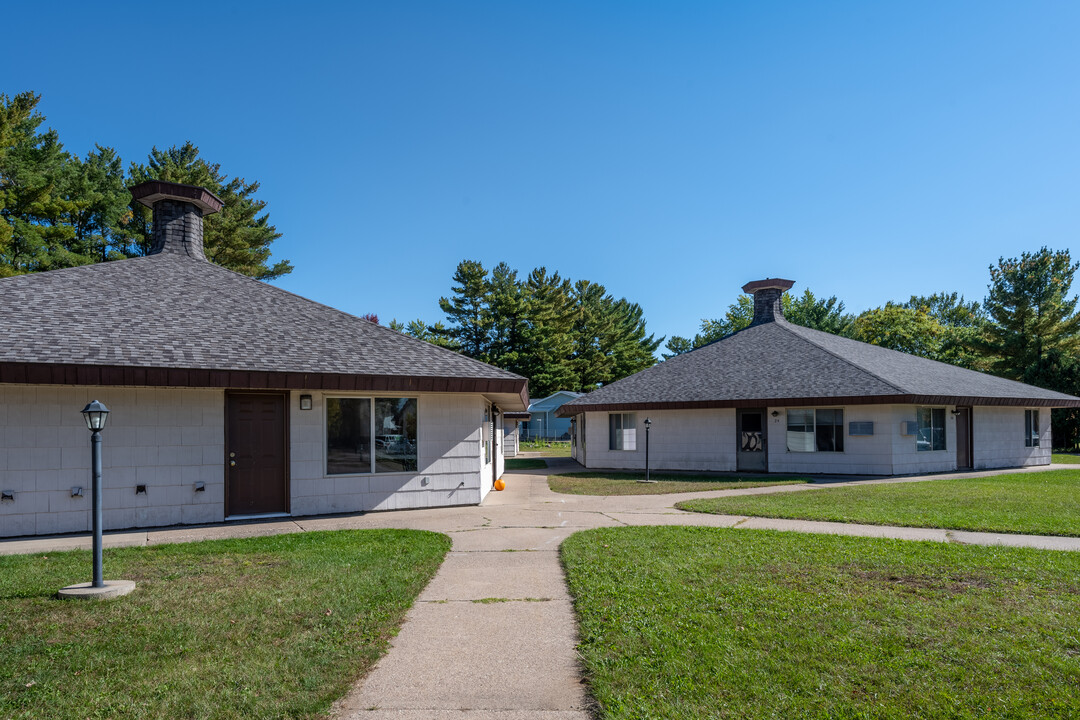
[964, 451]
[256, 459]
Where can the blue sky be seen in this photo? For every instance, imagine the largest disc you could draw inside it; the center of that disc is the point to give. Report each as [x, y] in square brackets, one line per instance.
[672, 151]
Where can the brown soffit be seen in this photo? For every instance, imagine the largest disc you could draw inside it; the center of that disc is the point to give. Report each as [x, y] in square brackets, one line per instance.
[568, 410]
[72, 374]
[152, 191]
[778, 283]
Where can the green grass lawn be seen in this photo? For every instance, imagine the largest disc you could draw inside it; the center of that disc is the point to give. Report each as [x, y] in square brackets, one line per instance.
[549, 448]
[1068, 458]
[525, 463]
[626, 483]
[693, 623]
[1045, 503]
[275, 627]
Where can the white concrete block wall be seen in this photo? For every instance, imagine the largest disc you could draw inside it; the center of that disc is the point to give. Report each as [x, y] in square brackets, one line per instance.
[862, 454]
[999, 438]
[165, 438]
[907, 458]
[679, 440]
[449, 459]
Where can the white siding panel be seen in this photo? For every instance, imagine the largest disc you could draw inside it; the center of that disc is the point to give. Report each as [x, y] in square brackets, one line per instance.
[862, 454]
[679, 440]
[449, 460]
[164, 438]
[999, 438]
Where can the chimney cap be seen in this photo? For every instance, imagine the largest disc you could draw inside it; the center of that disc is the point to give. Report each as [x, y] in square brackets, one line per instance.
[767, 284]
[152, 191]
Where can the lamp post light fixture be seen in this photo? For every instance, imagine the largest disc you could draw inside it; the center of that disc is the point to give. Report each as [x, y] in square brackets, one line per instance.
[648, 426]
[96, 414]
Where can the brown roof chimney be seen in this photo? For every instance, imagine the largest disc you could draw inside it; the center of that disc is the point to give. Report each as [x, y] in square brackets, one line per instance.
[767, 294]
[178, 213]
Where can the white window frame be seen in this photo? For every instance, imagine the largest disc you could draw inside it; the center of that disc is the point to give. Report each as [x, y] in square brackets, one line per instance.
[1031, 428]
[944, 430]
[371, 399]
[618, 436]
[810, 447]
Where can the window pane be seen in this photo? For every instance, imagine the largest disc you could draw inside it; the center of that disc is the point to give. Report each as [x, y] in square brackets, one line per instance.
[830, 430]
[800, 430]
[622, 433]
[348, 435]
[395, 434]
[924, 438]
[939, 428]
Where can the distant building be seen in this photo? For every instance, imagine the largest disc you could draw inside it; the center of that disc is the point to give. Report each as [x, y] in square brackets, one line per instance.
[544, 423]
[778, 397]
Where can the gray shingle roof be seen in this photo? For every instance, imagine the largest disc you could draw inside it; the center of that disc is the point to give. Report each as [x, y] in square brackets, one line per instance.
[170, 311]
[781, 362]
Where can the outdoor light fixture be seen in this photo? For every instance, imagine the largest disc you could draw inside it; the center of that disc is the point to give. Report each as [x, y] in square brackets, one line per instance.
[200, 487]
[95, 414]
[776, 413]
[140, 489]
[305, 402]
[648, 426]
[7, 495]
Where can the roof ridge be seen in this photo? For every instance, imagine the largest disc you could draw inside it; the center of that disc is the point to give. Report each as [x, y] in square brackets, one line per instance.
[853, 364]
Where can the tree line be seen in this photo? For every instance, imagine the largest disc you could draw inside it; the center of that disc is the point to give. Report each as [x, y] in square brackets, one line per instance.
[559, 333]
[60, 210]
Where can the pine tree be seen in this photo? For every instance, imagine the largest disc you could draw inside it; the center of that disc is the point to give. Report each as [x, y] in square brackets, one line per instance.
[468, 312]
[238, 237]
[547, 337]
[1031, 313]
[508, 310]
[33, 166]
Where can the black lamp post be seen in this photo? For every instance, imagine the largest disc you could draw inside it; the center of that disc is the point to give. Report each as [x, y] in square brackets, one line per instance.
[95, 414]
[648, 425]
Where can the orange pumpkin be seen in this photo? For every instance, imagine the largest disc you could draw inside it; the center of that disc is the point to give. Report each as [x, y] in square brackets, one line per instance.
[499, 484]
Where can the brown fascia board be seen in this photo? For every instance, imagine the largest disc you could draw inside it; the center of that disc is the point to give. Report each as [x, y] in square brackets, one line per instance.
[517, 415]
[151, 191]
[119, 375]
[569, 410]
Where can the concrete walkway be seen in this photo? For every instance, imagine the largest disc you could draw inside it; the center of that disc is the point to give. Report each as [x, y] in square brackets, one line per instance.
[493, 635]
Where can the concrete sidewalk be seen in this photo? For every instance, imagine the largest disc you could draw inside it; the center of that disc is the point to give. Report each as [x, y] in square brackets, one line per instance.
[493, 636]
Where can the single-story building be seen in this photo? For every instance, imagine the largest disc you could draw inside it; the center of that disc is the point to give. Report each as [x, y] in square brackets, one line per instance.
[544, 423]
[781, 398]
[229, 398]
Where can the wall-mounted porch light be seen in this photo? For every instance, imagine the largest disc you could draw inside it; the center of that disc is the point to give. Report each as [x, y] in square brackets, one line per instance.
[305, 402]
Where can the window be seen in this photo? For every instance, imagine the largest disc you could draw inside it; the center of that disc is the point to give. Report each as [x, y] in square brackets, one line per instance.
[1031, 428]
[370, 435]
[811, 430]
[930, 433]
[623, 433]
